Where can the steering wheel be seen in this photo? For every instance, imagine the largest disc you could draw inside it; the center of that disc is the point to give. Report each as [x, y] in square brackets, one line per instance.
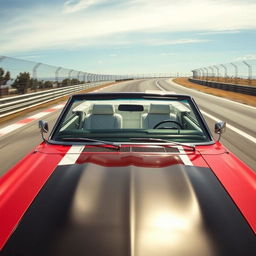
[167, 121]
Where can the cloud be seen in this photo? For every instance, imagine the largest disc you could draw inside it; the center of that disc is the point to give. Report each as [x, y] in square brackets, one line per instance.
[72, 6]
[177, 41]
[246, 57]
[220, 32]
[167, 54]
[117, 23]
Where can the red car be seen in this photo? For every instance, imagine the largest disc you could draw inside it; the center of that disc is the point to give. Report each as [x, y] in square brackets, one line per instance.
[129, 174]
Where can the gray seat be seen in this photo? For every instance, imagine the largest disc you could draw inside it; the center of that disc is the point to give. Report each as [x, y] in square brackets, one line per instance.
[103, 117]
[157, 113]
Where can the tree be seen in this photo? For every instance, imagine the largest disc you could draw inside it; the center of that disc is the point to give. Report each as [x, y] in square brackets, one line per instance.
[66, 82]
[48, 84]
[4, 77]
[75, 81]
[22, 82]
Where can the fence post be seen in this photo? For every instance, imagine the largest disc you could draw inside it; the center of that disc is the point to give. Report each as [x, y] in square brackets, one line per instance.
[1, 59]
[57, 75]
[69, 76]
[78, 76]
[34, 75]
[226, 72]
[213, 74]
[202, 73]
[194, 73]
[218, 72]
[236, 71]
[84, 77]
[197, 73]
[89, 77]
[249, 71]
[207, 73]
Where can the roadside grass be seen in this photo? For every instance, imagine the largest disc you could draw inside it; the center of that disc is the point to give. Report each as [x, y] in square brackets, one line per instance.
[231, 80]
[239, 97]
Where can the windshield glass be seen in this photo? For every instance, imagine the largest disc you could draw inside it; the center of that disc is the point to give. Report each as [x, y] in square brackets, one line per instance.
[131, 120]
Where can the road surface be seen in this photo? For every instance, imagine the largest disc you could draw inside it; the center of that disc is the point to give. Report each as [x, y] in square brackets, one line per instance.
[240, 136]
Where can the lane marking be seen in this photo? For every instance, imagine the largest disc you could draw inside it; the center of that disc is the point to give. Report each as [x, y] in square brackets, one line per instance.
[159, 86]
[162, 89]
[19, 124]
[231, 127]
[10, 128]
[210, 95]
[72, 155]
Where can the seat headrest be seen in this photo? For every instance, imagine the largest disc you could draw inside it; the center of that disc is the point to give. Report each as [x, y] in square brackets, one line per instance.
[102, 109]
[159, 109]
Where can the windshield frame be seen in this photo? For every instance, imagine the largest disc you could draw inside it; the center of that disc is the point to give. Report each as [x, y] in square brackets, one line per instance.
[127, 96]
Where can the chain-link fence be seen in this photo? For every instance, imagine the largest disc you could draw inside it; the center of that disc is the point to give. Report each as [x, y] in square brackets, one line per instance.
[20, 76]
[239, 72]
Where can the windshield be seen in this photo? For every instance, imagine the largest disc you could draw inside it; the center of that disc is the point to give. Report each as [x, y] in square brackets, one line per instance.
[131, 120]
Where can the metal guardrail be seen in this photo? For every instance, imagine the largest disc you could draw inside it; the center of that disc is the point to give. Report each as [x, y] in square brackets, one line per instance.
[249, 90]
[16, 104]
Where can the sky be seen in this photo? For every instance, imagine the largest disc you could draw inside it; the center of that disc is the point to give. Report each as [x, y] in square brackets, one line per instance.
[129, 36]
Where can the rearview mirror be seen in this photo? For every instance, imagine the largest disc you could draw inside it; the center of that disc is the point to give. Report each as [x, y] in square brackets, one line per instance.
[44, 128]
[220, 127]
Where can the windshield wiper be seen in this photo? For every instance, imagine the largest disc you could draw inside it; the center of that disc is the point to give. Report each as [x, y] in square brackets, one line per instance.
[79, 139]
[163, 141]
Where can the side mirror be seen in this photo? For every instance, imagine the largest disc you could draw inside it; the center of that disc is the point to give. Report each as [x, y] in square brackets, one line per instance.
[44, 128]
[220, 127]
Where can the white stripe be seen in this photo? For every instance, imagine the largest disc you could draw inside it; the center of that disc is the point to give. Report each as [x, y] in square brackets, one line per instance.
[183, 156]
[72, 155]
[231, 127]
[16, 126]
[159, 86]
[162, 89]
[39, 115]
[11, 128]
[210, 95]
[59, 106]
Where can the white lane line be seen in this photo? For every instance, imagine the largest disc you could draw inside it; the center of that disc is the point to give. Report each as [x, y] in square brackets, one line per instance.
[60, 106]
[231, 127]
[162, 89]
[72, 155]
[10, 128]
[159, 86]
[19, 124]
[39, 115]
[210, 95]
[183, 156]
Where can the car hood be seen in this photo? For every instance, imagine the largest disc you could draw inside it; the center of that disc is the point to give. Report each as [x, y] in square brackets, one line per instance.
[94, 209]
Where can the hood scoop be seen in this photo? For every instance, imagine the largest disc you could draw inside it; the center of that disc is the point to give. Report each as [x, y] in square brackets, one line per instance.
[131, 149]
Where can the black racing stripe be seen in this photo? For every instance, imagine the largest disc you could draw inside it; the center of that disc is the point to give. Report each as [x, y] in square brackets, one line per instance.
[87, 210]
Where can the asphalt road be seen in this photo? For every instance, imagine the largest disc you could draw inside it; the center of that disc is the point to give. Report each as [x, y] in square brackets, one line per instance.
[240, 136]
